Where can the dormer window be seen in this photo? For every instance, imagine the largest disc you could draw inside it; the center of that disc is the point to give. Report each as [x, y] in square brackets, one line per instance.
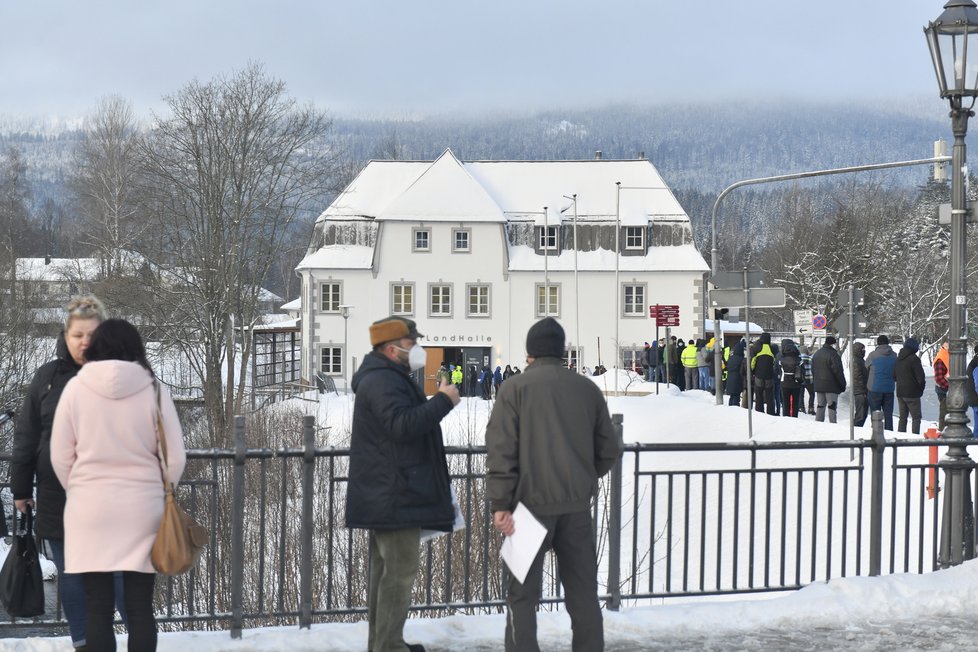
[547, 238]
[634, 238]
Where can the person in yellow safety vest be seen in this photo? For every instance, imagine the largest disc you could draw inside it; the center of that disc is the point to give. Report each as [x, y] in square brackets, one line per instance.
[688, 359]
[762, 367]
[457, 375]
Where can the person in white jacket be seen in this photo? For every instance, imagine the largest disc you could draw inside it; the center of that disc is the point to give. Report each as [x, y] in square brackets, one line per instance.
[104, 451]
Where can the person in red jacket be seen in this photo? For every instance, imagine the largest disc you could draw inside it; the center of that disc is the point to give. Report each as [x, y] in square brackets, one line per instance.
[941, 362]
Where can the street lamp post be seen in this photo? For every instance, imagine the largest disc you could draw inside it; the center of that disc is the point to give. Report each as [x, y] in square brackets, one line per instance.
[345, 313]
[949, 38]
[577, 292]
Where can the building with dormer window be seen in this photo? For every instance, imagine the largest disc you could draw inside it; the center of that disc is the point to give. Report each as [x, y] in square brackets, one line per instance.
[475, 252]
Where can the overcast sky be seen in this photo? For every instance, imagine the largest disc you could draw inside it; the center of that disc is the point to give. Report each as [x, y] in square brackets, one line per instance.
[401, 57]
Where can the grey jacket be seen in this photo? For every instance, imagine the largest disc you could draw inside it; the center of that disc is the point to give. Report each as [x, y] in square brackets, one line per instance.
[548, 441]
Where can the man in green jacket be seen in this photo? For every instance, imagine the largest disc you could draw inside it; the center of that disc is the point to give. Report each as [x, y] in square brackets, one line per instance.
[548, 441]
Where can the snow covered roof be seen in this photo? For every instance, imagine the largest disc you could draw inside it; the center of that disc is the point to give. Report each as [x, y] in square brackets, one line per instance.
[57, 269]
[339, 257]
[295, 304]
[495, 191]
[731, 327]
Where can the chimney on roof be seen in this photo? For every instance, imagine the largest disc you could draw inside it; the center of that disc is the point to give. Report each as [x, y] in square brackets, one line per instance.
[641, 156]
[597, 155]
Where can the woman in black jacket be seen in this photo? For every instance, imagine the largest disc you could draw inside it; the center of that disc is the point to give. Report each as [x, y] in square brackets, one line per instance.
[31, 460]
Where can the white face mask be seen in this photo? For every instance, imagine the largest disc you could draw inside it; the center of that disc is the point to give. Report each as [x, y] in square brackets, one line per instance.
[417, 356]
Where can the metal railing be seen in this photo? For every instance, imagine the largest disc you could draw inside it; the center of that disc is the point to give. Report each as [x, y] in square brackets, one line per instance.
[683, 519]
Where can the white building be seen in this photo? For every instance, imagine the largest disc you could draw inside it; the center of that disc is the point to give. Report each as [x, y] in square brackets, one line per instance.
[468, 251]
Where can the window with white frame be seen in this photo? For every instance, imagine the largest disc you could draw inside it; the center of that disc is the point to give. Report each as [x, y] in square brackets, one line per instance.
[331, 360]
[461, 241]
[547, 238]
[548, 300]
[440, 300]
[634, 237]
[631, 360]
[402, 299]
[634, 300]
[478, 304]
[421, 239]
[330, 295]
[572, 358]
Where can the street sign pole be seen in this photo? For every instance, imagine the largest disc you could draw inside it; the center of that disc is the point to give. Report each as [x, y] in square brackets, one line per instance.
[750, 358]
[852, 388]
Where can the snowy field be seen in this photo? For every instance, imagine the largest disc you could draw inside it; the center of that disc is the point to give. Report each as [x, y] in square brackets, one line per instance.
[847, 608]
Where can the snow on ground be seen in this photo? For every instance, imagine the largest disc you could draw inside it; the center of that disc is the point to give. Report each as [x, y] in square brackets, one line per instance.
[669, 416]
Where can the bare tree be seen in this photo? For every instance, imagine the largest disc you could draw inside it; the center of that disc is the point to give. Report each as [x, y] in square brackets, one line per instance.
[104, 182]
[235, 164]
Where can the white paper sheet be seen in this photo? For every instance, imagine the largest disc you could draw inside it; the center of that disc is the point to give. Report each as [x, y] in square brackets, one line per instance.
[520, 549]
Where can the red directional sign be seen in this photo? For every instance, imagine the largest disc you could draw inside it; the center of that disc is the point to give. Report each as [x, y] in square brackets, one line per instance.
[664, 315]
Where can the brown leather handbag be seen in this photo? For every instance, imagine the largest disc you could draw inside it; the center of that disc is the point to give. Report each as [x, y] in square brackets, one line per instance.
[180, 540]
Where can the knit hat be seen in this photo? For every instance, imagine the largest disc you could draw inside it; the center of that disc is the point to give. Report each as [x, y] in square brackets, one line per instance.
[911, 343]
[545, 338]
[830, 341]
[882, 339]
[392, 328]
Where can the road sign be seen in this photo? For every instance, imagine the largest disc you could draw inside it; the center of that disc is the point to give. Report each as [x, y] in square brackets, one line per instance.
[735, 280]
[819, 322]
[752, 297]
[803, 321]
[857, 297]
[665, 315]
[841, 324]
[944, 214]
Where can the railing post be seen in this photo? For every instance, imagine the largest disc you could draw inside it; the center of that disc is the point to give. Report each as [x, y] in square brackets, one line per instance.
[614, 523]
[308, 482]
[237, 528]
[876, 496]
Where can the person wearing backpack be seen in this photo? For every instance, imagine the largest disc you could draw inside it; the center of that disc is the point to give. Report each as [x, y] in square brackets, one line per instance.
[792, 379]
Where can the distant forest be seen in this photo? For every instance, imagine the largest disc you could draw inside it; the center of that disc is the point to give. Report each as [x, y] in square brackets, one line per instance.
[699, 150]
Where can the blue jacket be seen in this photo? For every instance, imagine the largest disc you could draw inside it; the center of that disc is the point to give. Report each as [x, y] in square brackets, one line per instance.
[879, 370]
[398, 472]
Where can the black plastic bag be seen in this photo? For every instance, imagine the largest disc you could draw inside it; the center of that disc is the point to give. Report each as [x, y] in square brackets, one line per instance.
[21, 585]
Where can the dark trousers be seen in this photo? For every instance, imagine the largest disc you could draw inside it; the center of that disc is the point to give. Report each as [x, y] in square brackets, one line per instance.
[572, 538]
[810, 389]
[860, 406]
[909, 407]
[883, 401]
[100, 608]
[791, 398]
[764, 395]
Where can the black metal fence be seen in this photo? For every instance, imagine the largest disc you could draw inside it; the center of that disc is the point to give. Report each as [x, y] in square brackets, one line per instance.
[686, 519]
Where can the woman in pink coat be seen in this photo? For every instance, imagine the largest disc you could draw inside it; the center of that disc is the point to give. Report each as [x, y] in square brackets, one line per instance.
[104, 451]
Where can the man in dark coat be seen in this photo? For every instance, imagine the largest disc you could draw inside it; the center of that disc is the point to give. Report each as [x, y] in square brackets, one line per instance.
[762, 367]
[399, 481]
[734, 382]
[549, 440]
[909, 376]
[792, 379]
[829, 379]
[858, 373]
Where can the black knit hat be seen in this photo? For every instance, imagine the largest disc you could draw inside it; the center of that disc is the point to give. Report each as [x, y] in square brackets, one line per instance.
[545, 338]
[882, 339]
